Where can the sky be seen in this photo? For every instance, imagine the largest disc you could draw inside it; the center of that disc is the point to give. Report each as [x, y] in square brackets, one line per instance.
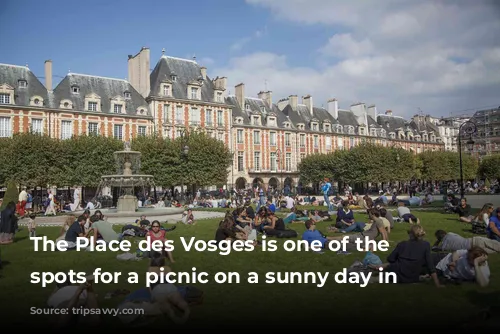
[437, 57]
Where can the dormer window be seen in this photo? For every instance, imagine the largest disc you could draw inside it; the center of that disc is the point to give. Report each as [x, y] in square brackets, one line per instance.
[286, 125]
[361, 131]
[383, 133]
[350, 129]
[75, 89]
[373, 132]
[127, 95]
[166, 90]
[425, 137]
[117, 108]
[418, 138]
[256, 120]
[433, 138]
[338, 128]
[173, 77]
[314, 126]
[36, 101]
[301, 126]
[219, 97]
[271, 121]
[92, 106]
[194, 93]
[392, 135]
[93, 102]
[23, 83]
[327, 127]
[247, 107]
[141, 111]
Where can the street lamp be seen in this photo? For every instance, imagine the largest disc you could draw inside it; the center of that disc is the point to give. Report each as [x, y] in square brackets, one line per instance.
[278, 157]
[233, 154]
[467, 128]
[184, 154]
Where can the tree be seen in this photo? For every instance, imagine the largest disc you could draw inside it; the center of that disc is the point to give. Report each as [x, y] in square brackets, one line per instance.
[160, 158]
[5, 162]
[315, 167]
[11, 194]
[86, 159]
[490, 167]
[34, 159]
[445, 166]
[207, 161]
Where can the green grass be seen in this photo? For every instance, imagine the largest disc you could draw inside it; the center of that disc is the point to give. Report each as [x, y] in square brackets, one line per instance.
[376, 303]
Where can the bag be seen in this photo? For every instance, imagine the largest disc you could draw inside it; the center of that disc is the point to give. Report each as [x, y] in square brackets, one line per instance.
[478, 228]
[192, 295]
[287, 234]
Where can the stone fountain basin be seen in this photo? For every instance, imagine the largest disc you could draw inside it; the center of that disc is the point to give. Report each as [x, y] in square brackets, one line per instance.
[126, 180]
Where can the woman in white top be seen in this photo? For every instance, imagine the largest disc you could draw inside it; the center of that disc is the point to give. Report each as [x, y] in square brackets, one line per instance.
[51, 207]
[484, 215]
[166, 295]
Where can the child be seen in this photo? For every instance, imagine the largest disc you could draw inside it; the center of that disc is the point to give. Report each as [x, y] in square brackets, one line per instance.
[188, 217]
[32, 226]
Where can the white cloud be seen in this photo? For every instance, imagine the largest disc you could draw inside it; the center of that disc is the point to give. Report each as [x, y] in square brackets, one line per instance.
[241, 43]
[440, 56]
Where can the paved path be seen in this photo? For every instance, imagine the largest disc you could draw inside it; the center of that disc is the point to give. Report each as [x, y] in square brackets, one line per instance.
[170, 219]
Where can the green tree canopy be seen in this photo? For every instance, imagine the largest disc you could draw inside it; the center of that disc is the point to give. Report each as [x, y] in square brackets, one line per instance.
[490, 167]
[445, 166]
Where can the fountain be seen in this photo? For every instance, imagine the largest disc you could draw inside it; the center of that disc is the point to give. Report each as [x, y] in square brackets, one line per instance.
[128, 176]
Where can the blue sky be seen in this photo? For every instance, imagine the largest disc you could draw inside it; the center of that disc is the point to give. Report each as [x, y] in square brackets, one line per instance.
[404, 55]
[95, 37]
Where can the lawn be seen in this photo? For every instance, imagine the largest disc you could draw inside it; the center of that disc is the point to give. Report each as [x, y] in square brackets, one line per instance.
[275, 305]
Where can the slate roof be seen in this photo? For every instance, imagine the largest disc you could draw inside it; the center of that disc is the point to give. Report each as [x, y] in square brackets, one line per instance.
[392, 123]
[346, 117]
[12, 74]
[420, 125]
[372, 123]
[105, 88]
[186, 71]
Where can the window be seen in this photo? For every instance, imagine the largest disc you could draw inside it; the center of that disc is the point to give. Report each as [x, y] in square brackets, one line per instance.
[92, 106]
[208, 117]
[256, 120]
[5, 127]
[194, 93]
[302, 156]
[247, 107]
[373, 132]
[327, 127]
[220, 118]
[288, 162]
[219, 97]
[272, 138]
[302, 140]
[166, 90]
[316, 141]
[194, 116]
[351, 142]
[66, 130]
[274, 162]
[75, 89]
[256, 161]
[179, 115]
[340, 142]
[117, 108]
[5, 98]
[127, 95]
[23, 84]
[256, 137]
[93, 129]
[328, 142]
[241, 160]
[262, 109]
[37, 126]
[287, 139]
[239, 136]
[338, 128]
[118, 131]
[166, 113]
[36, 102]
[141, 130]
[362, 131]
[173, 77]
[315, 127]
[271, 121]
[351, 130]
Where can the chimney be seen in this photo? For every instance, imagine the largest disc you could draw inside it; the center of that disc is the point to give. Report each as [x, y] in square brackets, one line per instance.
[388, 112]
[293, 100]
[204, 72]
[48, 75]
[372, 111]
[267, 97]
[239, 91]
[138, 71]
[308, 101]
[333, 108]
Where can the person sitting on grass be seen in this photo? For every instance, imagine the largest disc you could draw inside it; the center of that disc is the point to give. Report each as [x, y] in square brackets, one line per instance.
[76, 230]
[466, 265]
[312, 234]
[156, 233]
[265, 220]
[463, 211]
[409, 258]
[493, 229]
[67, 296]
[243, 223]
[104, 230]
[293, 217]
[451, 242]
[188, 217]
[405, 214]
[345, 216]
[228, 231]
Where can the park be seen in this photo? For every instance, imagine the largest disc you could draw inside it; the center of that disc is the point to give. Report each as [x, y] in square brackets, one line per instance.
[289, 278]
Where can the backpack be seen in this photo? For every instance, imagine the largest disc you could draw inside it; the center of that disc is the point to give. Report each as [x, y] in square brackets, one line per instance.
[478, 228]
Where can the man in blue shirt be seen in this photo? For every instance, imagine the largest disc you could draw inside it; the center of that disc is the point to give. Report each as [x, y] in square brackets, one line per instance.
[312, 234]
[493, 229]
[326, 189]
